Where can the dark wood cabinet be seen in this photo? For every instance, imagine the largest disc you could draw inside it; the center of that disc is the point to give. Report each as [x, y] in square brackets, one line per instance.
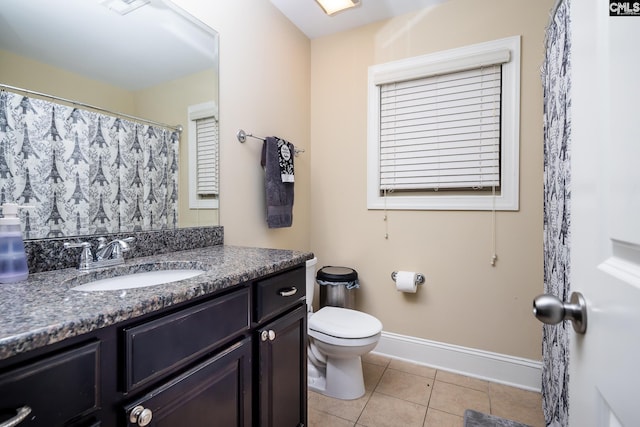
[237, 358]
[282, 365]
[165, 344]
[190, 367]
[280, 318]
[214, 393]
[59, 389]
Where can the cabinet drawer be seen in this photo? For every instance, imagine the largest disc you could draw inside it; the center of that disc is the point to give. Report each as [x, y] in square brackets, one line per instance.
[279, 293]
[155, 348]
[57, 389]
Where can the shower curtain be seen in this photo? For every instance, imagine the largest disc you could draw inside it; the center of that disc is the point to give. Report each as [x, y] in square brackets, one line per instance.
[556, 81]
[85, 172]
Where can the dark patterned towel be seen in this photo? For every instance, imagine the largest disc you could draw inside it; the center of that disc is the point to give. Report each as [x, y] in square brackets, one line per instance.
[279, 195]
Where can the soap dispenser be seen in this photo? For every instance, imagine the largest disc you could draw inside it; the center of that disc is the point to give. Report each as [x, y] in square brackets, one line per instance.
[13, 260]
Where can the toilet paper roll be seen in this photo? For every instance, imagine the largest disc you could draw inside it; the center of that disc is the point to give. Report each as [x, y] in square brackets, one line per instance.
[406, 281]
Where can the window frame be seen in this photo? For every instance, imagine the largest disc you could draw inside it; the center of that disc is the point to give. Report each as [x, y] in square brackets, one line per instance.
[472, 56]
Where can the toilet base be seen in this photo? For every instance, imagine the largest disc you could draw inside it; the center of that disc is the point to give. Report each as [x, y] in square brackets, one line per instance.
[343, 380]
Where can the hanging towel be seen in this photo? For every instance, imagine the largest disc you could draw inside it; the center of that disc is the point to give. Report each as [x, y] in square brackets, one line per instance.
[279, 194]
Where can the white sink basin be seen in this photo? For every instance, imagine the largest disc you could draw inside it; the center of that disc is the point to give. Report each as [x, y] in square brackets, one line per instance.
[138, 280]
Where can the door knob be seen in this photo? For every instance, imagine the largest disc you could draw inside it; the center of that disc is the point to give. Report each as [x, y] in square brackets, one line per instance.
[549, 309]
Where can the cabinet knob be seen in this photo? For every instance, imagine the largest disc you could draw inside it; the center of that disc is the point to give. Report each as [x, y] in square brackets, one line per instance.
[140, 416]
[268, 335]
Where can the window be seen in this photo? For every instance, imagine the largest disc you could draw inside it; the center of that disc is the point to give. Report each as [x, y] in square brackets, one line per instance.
[203, 156]
[444, 130]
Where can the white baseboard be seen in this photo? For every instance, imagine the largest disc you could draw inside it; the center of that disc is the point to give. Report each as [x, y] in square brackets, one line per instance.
[495, 367]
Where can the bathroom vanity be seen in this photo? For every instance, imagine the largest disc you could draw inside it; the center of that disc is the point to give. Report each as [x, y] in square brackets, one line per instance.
[226, 348]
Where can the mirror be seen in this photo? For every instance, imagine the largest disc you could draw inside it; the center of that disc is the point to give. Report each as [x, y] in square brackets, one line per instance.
[140, 61]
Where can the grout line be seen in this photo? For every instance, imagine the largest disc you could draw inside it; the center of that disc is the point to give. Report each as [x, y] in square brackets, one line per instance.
[372, 391]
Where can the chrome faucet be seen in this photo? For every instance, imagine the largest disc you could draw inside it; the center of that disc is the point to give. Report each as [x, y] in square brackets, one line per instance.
[107, 254]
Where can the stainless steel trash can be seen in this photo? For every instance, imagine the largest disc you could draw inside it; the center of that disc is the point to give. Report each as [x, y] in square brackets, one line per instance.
[337, 286]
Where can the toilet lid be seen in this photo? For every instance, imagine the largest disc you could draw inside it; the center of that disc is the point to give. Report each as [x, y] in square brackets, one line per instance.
[344, 323]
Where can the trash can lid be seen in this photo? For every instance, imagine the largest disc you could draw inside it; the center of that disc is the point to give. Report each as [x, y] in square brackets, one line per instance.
[337, 274]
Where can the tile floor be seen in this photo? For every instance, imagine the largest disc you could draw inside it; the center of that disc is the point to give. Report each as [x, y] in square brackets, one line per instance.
[401, 394]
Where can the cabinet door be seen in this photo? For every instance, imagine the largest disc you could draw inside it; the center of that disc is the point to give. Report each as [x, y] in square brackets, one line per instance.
[282, 389]
[215, 393]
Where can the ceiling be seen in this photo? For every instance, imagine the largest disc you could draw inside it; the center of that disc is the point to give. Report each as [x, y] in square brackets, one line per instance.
[75, 35]
[312, 21]
[153, 44]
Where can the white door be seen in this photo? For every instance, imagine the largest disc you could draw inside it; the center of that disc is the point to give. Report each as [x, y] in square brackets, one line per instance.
[605, 213]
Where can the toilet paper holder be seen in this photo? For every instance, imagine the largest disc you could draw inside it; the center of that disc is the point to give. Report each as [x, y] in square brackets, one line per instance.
[419, 277]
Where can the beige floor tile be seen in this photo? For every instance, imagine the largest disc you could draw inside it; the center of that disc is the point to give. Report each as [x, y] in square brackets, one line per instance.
[372, 374]
[462, 380]
[402, 385]
[516, 404]
[347, 409]
[322, 419]
[437, 418]
[388, 411]
[455, 399]
[412, 368]
[376, 359]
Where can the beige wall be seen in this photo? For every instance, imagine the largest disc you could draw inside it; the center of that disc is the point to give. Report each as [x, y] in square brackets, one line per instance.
[169, 103]
[25, 73]
[465, 301]
[265, 90]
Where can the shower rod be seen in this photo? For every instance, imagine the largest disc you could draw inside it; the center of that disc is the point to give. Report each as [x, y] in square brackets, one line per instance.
[3, 87]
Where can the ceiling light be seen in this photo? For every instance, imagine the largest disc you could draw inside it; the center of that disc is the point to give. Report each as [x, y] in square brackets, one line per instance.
[332, 7]
[124, 6]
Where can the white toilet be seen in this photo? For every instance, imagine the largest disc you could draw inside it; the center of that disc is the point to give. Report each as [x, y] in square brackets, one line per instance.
[337, 339]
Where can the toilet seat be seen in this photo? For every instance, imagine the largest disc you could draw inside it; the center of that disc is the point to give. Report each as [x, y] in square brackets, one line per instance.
[343, 323]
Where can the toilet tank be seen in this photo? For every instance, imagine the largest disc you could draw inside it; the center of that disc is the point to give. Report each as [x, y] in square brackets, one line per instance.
[311, 281]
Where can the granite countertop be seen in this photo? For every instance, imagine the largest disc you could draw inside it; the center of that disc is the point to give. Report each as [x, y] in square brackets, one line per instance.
[44, 310]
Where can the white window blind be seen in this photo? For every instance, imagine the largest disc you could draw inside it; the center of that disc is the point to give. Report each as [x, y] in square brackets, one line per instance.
[203, 134]
[446, 120]
[441, 131]
[207, 156]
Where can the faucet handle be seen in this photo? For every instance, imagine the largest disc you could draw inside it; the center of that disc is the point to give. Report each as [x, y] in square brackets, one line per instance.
[86, 257]
[68, 245]
[102, 242]
[130, 239]
[122, 245]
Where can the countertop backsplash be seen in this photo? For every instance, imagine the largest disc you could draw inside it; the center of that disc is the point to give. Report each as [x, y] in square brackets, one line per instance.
[49, 254]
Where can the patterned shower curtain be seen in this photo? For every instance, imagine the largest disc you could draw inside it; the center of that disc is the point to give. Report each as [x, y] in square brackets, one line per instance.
[85, 172]
[556, 81]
